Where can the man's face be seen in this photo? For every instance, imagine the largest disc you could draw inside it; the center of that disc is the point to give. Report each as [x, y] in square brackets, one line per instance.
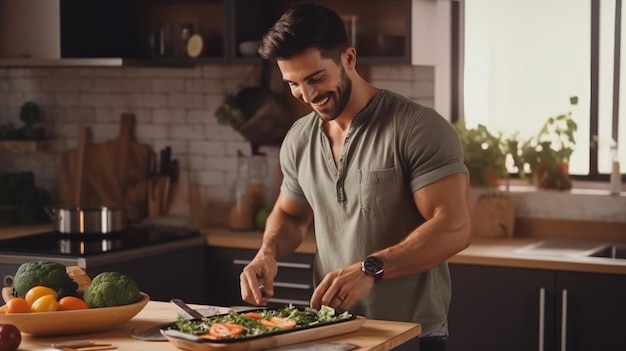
[318, 82]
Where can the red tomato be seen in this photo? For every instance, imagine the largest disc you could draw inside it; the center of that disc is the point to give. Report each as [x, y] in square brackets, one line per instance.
[10, 337]
[225, 330]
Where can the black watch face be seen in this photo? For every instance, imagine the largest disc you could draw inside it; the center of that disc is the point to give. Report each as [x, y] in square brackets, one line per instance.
[373, 265]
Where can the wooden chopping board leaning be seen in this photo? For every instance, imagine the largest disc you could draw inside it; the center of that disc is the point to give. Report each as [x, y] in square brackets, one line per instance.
[114, 173]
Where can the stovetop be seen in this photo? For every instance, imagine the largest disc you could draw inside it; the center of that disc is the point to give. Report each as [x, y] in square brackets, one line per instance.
[55, 243]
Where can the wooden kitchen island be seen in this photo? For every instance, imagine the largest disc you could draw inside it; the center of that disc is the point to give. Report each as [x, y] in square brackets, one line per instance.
[374, 335]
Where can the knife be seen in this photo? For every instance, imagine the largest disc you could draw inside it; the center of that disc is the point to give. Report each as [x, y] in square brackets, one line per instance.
[165, 159]
[188, 310]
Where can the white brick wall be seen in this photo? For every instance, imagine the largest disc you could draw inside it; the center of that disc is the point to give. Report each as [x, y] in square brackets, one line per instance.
[173, 106]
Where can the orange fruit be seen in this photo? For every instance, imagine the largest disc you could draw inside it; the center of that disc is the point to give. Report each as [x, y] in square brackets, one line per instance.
[46, 303]
[69, 303]
[17, 305]
[38, 291]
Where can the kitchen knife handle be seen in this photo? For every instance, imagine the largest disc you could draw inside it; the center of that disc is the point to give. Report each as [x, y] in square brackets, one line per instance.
[186, 308]
[542, 317]
[564, 321]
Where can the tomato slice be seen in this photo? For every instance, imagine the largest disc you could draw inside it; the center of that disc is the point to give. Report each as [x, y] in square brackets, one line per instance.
[283, 323]
[209, 337]
[253, 315]
[225, 330]
[267, 323]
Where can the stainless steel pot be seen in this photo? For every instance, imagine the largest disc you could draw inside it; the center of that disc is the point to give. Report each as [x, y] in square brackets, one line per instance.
[87, 220]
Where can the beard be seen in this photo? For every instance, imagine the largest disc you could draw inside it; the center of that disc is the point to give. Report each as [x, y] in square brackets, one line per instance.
[341, 98]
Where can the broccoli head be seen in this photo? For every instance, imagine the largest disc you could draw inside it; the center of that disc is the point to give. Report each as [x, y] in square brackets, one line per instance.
[50, 274]
[109, 289]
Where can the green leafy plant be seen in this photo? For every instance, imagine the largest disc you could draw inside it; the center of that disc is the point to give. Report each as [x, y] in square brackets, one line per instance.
[30, 115]
[229, 113]
[543, 160]
[484, 154]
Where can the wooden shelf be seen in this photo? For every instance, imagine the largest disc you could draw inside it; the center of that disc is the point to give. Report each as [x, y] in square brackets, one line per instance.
[27, 145]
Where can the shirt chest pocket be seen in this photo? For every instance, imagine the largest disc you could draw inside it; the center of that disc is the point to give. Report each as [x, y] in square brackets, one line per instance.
[379, 190]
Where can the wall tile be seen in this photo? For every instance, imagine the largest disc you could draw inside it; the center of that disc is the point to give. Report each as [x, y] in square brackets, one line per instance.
[173, 106]
[168, 85]
[186, 100]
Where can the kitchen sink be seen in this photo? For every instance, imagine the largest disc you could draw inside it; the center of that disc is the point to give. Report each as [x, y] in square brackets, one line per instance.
[563, 247]
[617, 251]
[566, 247]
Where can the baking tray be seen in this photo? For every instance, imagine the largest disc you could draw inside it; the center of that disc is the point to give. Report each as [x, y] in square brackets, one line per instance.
[264, 341]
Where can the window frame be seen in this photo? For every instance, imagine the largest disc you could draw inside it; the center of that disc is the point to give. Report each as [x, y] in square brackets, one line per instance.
[456, 83]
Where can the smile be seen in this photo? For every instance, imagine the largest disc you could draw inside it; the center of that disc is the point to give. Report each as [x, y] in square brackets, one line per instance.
[321, 103]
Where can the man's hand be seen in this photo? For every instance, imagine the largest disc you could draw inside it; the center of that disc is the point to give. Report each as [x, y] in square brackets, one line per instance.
[257, 280]
[341, 288]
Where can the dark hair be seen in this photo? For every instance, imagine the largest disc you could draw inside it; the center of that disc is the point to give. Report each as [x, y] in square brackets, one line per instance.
[303, 27]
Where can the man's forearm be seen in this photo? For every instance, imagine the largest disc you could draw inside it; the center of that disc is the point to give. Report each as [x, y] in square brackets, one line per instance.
[283, 234]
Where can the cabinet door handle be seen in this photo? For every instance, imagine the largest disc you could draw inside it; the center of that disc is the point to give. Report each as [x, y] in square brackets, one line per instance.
[279, 264]
[564, 321]
[542, 317]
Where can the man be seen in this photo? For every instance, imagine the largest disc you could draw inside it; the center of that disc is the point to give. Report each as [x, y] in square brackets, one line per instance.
[381, 176]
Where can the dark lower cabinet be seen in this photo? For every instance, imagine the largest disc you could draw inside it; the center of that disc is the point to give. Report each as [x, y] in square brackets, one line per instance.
[594, 311]
[499, 308]
[176, 273]
[293, 283]
[496, 308]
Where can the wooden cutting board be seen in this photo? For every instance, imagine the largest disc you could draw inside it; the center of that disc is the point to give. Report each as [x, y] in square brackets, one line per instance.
[270, 341]
[180, 204]
[72, 170]
[115, 173]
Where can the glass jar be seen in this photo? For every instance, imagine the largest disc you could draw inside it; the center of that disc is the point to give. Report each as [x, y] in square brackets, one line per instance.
[186, 30]
[248, 191]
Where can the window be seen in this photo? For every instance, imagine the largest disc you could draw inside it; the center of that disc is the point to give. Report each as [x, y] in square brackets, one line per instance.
[523, 60]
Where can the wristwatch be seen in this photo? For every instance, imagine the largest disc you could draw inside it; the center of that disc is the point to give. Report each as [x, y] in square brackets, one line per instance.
[372, 266]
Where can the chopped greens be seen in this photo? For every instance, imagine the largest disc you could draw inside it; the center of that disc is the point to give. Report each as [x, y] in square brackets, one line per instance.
[259, 322]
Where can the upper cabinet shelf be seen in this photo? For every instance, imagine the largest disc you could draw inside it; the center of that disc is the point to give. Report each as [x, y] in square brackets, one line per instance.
[155, 32]
[381, 30]
[162, 30]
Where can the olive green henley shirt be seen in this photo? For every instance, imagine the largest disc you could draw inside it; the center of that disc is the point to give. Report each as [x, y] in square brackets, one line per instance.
[364, 203]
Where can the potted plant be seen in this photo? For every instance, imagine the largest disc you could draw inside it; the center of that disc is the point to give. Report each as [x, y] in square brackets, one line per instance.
[484, 155]
[256, 112]
[543, 160]
[229, 113]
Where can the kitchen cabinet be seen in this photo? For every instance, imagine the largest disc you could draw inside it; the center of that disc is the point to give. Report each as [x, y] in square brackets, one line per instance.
[177, 273]
[53, 29]
[500, 308]
[150, 32]
[382, 29]
[162, 28]
[593, 310]
[497, 308]
[109, 32]
[293, 283]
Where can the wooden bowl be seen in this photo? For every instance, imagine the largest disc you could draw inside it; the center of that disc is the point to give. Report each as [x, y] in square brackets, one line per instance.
[73, 322]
